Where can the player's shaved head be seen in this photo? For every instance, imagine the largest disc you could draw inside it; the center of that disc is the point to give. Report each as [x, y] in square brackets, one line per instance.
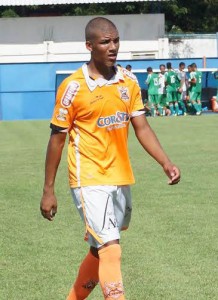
[98, 24]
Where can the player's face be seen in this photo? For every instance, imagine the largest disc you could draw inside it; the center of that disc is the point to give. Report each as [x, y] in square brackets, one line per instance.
[182, 67]
[104, 47]
[162, 69]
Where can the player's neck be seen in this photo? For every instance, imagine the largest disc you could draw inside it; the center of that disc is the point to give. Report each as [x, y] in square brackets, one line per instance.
[100, 72]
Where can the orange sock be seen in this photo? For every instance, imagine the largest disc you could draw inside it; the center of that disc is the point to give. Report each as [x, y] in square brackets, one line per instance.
[86, 279]
[110, 272]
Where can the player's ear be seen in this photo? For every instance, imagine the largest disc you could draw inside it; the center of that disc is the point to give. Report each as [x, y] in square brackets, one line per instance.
[89, 46]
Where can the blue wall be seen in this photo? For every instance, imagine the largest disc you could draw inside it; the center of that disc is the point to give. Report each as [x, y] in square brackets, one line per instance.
[27, 91]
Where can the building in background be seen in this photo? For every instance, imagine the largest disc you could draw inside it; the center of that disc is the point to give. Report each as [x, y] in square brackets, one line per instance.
[52, 39]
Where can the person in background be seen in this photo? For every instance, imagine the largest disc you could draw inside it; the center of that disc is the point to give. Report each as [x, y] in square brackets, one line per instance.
[153, 85]
[162, 97]
[182, 89]
[171, 88]
[95, 106]
[195, 89]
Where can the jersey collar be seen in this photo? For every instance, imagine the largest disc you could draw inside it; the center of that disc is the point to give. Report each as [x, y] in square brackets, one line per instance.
[93, 84]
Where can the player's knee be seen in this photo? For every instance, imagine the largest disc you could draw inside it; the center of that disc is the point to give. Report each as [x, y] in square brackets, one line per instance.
[110, 253]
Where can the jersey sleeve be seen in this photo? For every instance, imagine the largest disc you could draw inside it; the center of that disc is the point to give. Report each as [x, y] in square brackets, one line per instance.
[179, 75]
[137, 107]
[148, 79]
[192, 75]
[64, 111]
[165, 77]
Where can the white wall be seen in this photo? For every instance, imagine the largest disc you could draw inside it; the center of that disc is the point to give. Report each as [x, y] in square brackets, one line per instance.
[193, 47]
[54, 39]
[76, 51]
[50, 39]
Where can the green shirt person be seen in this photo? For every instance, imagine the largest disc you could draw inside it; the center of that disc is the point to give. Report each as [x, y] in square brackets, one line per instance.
[153, 85]
[195, 88]
[171, 88]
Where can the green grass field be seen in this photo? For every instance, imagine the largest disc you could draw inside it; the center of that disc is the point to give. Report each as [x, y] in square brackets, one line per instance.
[171, 248]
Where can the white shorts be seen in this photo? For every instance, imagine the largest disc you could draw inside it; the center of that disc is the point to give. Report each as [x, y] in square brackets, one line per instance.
[105, 210]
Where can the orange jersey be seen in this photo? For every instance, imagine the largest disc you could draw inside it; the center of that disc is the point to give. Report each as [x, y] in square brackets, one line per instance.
[96, 114]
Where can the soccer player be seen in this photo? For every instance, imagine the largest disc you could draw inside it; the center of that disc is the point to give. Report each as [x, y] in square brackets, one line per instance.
[171, 88]
[190, 109]
[162, 97]
[195, 89]
[153, 86]
[182, 90]
[95, 106]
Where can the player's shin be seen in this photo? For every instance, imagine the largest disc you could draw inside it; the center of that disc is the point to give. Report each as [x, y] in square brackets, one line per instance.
[199, 106]
[160, 110]
[110, 272]
[183, 107]
[153, 111]
[176, 108]
[171, 108]
[87, 278]
[195, 105]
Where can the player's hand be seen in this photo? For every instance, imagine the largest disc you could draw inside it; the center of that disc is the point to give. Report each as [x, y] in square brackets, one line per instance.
[173, 173]
[48, 206]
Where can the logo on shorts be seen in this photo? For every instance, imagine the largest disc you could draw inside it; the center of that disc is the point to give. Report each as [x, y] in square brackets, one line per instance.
[112, 223]
[113, 290]
[70, 94]
[124, 93]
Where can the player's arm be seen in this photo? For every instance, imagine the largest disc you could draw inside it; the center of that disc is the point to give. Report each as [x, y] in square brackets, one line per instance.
[192, 78]
[165, 79]
[48, 205]
[182, 82]
[150, 143]
[148, 80]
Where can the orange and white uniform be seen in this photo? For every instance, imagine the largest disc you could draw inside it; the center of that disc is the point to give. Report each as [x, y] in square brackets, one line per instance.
[96, 114]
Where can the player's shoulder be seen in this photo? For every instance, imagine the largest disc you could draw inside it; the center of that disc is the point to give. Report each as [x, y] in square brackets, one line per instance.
[149, 76]
[127, 74]
[70, 87]
[76, 75]
[73, 79]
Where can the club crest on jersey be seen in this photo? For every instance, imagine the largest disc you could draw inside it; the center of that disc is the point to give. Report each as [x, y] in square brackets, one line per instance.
[124, 93]
[70, 94]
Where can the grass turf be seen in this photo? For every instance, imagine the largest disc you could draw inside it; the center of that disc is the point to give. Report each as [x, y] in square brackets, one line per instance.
[170, 249]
